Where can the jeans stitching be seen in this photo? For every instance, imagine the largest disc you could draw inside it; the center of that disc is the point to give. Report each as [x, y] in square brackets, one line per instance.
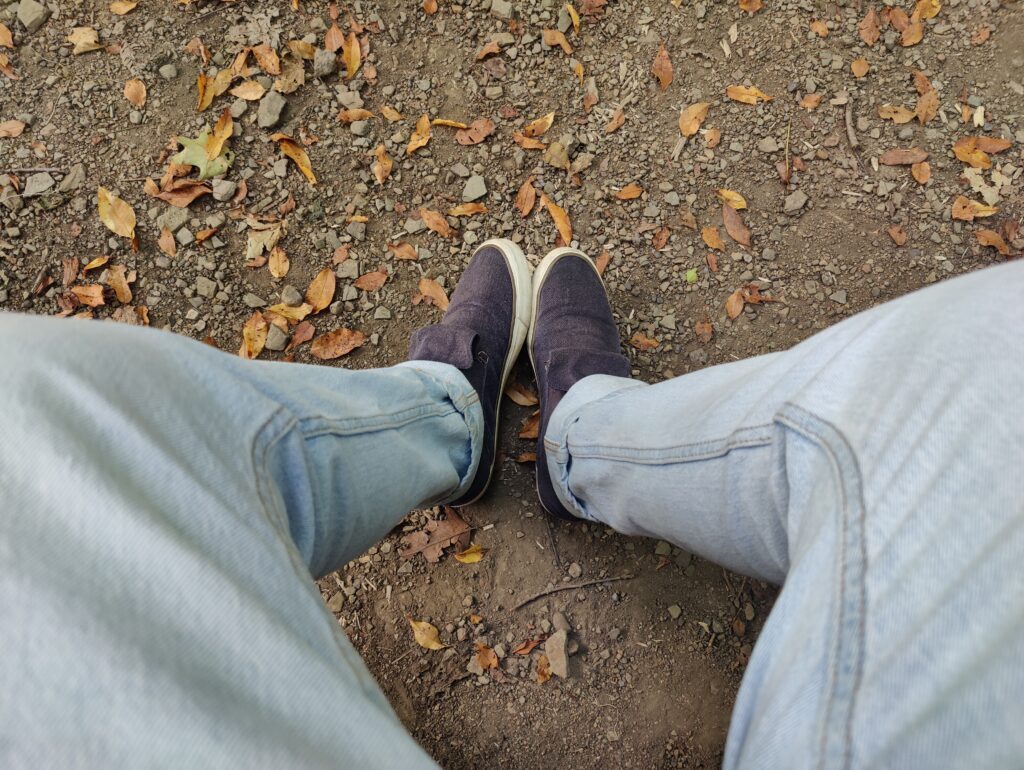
[678, 453]
[849, 658]
[336, 427]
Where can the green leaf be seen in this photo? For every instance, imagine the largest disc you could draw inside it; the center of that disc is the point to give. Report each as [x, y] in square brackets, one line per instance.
[194, 154]
[691, 275]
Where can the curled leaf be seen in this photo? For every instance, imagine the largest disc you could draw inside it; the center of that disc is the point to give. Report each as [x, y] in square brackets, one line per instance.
[425, 634]
[662, 67]
[539, 126]
[435, 221]
[560, 218]
[298, 155]
[554, 37]
[526, 197]
[995, 240]
[467, 210]
[116, 214]
[254, 336]
[382, 164]
[643, 342]
[967, 210]
[420, 136]
[472, 555]
[747, 94]
[432, 291]
[691, 119]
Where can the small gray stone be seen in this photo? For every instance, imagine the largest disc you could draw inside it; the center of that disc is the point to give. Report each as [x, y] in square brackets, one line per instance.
[75, 178]
[672, 198]
[359, 127]
[357, 230]
[32, 15]
[184, 236]
[663, 548]
[271, 107]
[37, 184]
[251, 300]
[795, 201]
[324, 63]
[560, 622]
[205, 287]
[414, 225]
[475, 188]
[238, 108]
[276, 339]
[501, 8]
[558, 655]
[291, 296]
[675, 611]
[168, 72]
[173, 219]
[768, 144]
[575, 570]
[838, 296]
[349, 293]
[382, 313]
[348, 269]
[224, 189]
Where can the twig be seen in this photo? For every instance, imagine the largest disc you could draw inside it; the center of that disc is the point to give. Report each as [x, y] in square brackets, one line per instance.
[53, 109]
[33, 170]
[789, 133]
[554, 545]
[556, 589]
[850, 133]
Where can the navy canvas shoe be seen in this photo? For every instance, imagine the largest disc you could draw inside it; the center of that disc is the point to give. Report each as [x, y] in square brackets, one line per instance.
[481, 335]
[572, 335]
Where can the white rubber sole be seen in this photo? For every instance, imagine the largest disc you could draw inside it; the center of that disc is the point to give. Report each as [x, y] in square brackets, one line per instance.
[522, 298]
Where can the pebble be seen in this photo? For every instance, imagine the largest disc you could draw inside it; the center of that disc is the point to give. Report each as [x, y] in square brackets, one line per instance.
[558, 655]
[838, 296]
[291, 296]
[32, 15]
[271, 107]
[560, 622]
[501, 8]
[575, 570]
[663, 548]
[74, 179]
[224, 189]
[205, 287]
[357, 230]
[251, 300]
[173, 219]
[348, 269]
[475, 188]
[276, 339]
[37, 184]
[382, 313]
[675, 611]
[768, 144]
[359, 127]
[168, 72]
[324, 63]
[795, 201]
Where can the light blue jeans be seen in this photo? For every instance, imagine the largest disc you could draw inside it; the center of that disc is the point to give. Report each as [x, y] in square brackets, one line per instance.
[163, 505]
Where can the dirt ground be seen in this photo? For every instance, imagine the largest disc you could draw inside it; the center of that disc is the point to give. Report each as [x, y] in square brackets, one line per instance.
[655, 658]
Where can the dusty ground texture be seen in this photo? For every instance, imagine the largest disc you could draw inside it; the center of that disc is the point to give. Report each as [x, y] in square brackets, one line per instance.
[654, 661]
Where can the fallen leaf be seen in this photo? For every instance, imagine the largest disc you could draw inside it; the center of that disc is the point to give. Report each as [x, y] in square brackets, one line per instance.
[321, 289]
[303, 50]
[222, 131]
[118, 280]
[95, 263]
[135, 92]
[467, 210]
[922, 172]
[249, 90]
[859, 67]
[6, 69]
[662, 68]
[90, 295]
[298, 155]
[691, 119]
[704, 331]
[167, 243]
[927, 9]
[420, 136]
[712, 238]
[914, 32]
[903, 156]
[868, 28]
[992, 144]
[433, 291]
[981, 35]
[303, 333]
[435, 221]
[472, 555]
[278, 263]
[336, 344]
[195, 154]
[602, 262]
[425, 634]
[573, 17]
[391, 114]
[11, 128]
[490, 49]
[262, 236]
[590, 96]
[531, 426]
[351, 54]
[520, 394]
[448, 123]
[372, 281]
[288, 314]
[539, 126]
[334, 39]
[967, 210]
[560, 217]
[116, 214]
[734, 304]
[811, 101]
[712, 138]
[84, 39]
[526, 197]
[629, 192]
[993, 239]
[617, 119]
[477, 131]
[731, 198]
[525, 648]
[643, 342]
[403, 250]
[267, 58]
[351, 116]
[734, 226]
[526, 143]
[543, 670]
[660, 238]
[429, 7]
[382, 164]
[554, 37]
[927, 106]
[254, 336]
[898, 234]
[819, 28]
[747, 94]
[6, 38]
[967, 150]
[751, 6]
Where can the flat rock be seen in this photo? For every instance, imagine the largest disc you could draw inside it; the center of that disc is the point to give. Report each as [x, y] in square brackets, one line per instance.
[276, 339]
[291, 296]
[324, 63]
[251, 300]
[558, 655]
[37, 184]
[173, 219]
[501, 8]
[795, 201]
[32, 15]
[475, 188]
[271, 107]
[74, 179]
[224, 189]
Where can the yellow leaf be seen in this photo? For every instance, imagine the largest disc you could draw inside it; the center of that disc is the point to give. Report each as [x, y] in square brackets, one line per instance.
[731, 198]
[249, 90]
[221, 133]
[560, 217]
[320, 293]
[928, 9]
[84, 39]
[471, 555]
[539, 126]
[712, 238]
[751, 6]
[425, 634]
[435, 221]
[629, 192]
[420, 136]
[448, 123]
[167, 243]
[575, 17]
[390, 114]
[211, 89]
[117, 215]
[135, 92]
[96, 262]
[467, 210]
[859, 67]
[692, 117]
[554, 37]
[811, 101]
[118, 281]
[819, 28]
[294, 150]
[966, 150]
[914, 32]
[898, 115]
[382, 164]
[747, 94]
[966, 210]
[303, 50]
[279, 262]
[351, 116]
[543, 670]
[6, 38]
[121, 7]
[351, 54]
[254, 336]
[291, 314]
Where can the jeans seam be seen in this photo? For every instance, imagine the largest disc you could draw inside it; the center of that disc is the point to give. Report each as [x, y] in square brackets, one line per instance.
[677, 453]
[845, 678]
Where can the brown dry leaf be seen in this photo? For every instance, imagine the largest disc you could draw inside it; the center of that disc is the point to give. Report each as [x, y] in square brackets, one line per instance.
[751, 6]
[660, 238]
[429, 7]
[6, 38]
[602, 262]
[922, 172]
[731, 198]
[267, 58]
[382, 164]
[691, 119]
[6, 69]
[526, 197]
[425, 634]
[617, 119]
[967, 210]
[302, 49]
[573, 17]
[641, 341]
[734, 304]
[84, 39]
[539, 126]
[420, 136]
[898, 115]
[254, 336]
[554, 37]
[527, 647]
[995, 240]
[898, 234]
[530, 428]
[993, 145]
[819, 28]
[303, 333]
[811, 101]
[712, 138]
[981, 35]
[221, 133]
[10, 129]
[747, 94]
[476, 132]
[543, 670]
[135, 92]
[662, 68]
[526, 143]
[298, 155]
[180, 193]
[967, 150]
[492, 48]
[903, 156]
[467, 210]
[704, 331]
[336, 344]
[859, 67]
[921, 82]
[95, 263]
[432, 290]
[734, 226]
[118, 280]
[288, 314]
[472, 555]
[868, 28]
[351, 54]
[335, 38]
[712, 238]
[278, 263]
[116, 214]
[520, 394]
[435, 221]
[321, 289]
[629, 192]
[391, 114]
[350, 116]
[560, 217]
[927, 9]
[249, 90]
[90, 295]
[927, 106]
[211, 89]
[372, 281]
[403, 250]
[448, 123]
[914, 32]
